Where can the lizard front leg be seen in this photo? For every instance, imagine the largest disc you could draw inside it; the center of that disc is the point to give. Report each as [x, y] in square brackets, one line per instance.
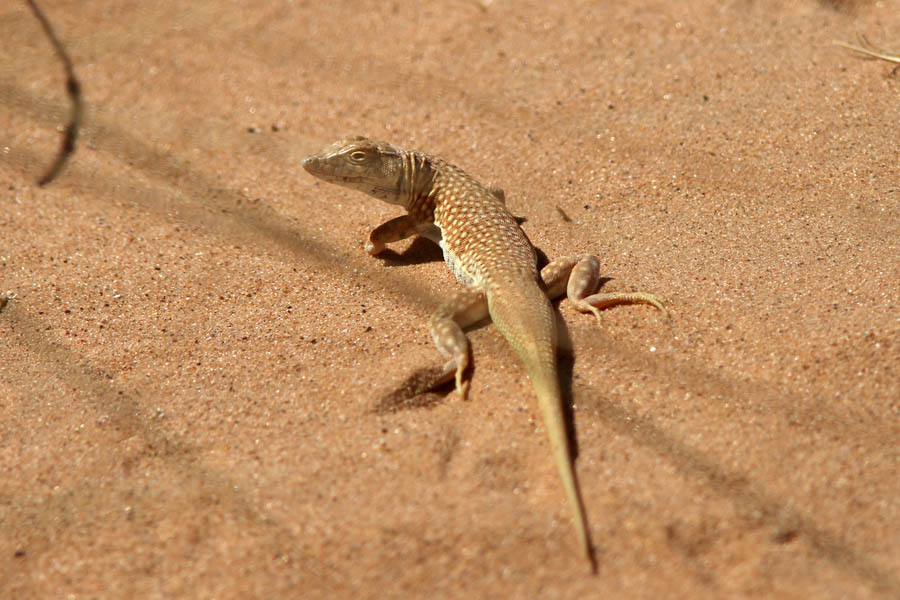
[400, 228]
[466, 307]
[578, 277]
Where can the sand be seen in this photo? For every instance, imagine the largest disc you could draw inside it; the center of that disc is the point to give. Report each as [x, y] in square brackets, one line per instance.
[196, 346]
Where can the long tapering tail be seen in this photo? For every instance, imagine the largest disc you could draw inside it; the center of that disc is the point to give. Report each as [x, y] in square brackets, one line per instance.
[524, 316]
[546, 386]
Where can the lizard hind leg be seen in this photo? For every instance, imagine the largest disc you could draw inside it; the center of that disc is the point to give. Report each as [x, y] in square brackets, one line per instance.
[579, 277]
[466, 307]
[583, 281]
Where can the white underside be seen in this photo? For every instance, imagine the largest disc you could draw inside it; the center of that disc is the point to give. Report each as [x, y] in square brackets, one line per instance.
[453, 263]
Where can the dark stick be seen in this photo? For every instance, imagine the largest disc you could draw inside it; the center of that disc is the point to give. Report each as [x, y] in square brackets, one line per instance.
[74, 90]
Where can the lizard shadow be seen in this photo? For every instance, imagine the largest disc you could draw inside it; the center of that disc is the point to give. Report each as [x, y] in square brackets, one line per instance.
[426, 387]
[407, 396]
[421, 251]
[565, 368]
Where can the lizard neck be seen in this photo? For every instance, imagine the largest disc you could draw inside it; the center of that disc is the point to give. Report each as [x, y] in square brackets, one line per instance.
[416, 185]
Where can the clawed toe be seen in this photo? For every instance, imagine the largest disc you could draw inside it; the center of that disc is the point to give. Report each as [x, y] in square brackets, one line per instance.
[584, 307]
[462, 387]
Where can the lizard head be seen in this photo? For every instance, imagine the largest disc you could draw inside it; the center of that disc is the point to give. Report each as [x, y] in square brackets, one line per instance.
[375, 168]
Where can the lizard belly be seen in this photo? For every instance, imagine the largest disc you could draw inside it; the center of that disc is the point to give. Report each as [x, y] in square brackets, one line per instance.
[455, 265]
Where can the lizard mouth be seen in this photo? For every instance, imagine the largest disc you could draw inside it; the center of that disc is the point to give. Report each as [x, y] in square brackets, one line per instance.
[320, 168]
[313, 165]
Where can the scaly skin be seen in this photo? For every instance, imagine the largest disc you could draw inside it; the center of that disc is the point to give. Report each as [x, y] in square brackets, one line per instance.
[490, 255]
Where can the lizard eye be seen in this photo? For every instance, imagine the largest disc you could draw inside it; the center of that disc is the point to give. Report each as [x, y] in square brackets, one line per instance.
[358, 156]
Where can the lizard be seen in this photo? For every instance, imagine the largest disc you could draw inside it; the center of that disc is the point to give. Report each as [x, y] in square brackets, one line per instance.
[491, 256]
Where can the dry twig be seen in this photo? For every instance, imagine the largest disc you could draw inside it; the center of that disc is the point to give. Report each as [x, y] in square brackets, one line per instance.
[74, 90]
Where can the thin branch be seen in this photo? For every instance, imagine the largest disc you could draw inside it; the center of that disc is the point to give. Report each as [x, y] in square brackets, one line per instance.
[73, 88]
[870, 50]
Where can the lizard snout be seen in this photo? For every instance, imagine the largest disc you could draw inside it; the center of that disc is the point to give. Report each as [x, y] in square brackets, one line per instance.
[309, 163]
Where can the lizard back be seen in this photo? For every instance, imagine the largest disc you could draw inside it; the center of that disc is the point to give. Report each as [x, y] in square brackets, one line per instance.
[481, 240]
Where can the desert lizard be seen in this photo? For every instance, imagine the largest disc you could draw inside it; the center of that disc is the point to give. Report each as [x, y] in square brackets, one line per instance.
[491, 256]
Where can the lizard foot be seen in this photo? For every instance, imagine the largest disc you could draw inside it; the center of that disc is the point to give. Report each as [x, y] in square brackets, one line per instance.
[596, 302]
[458, 365]
[374, 247]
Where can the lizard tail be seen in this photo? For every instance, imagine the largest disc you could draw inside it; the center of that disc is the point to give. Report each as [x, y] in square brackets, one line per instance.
[546, 386]
[526, 319]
